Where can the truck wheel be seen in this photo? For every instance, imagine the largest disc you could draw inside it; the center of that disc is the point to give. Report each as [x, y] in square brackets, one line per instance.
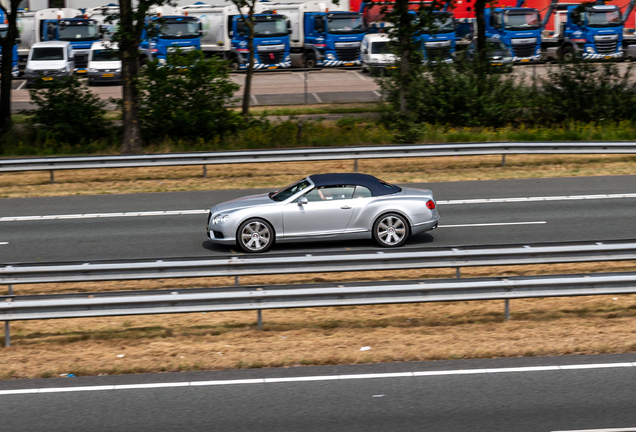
[310, 60]
[234, 64]
[567, 54]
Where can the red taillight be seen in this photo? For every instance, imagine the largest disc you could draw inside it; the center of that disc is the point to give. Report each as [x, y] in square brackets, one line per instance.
[430, 204]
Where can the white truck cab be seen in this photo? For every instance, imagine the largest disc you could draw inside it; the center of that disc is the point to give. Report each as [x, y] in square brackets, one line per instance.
[375, 53]
[49, 61]
[104, 63]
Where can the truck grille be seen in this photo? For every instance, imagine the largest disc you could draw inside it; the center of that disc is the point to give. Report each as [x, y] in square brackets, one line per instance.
[441, 53]
[348, 54]
[272, 57]
[81, 61]
[606, 47]
[524, 50]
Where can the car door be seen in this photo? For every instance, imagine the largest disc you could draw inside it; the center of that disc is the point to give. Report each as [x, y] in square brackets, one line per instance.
[326, 213]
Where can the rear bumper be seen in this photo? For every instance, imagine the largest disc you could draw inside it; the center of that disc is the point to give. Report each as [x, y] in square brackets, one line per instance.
[426, 226]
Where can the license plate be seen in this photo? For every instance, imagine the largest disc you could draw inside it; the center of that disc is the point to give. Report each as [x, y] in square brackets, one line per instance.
[273, 67]
[496, 64]
[108, 75]
[525, 60]
[608, 57]
[81, 71]
[348, 64]
[47, 79]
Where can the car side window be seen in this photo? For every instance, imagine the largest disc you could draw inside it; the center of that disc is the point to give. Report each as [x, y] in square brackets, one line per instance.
[362, 192]
[330, 193]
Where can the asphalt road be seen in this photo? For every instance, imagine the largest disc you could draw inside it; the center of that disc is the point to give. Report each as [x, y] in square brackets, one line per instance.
[88, 227]
[567, 393]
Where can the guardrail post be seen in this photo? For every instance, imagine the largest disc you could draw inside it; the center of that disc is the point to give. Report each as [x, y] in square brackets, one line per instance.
[7, 326]
[259, 319]
[237, 280]
[507, 310]
[205, 171]
[52, 177]
[355, 165]
[503, 160]
[458, 272]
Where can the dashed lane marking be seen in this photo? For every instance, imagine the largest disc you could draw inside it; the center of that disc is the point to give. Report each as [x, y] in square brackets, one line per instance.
[317, 97]
[323, 378]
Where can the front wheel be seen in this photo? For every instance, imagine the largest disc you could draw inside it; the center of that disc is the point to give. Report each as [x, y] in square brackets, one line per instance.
[391, 230]
[568, 54]
[310, 60]
[255, 235]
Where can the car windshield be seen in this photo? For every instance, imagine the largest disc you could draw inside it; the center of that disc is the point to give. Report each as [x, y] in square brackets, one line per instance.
[604, 19]
[105, 55]
[290, 190]
[522, 21]
[495, 46]
[3, 33]
[380, 48]
[86, 31]
[180, 29]
[346, 25]
[56, 53]
[270, 27]
[443, 23]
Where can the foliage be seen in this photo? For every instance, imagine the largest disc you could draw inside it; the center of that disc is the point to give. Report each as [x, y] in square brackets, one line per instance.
[586, 92]
[69, 112]
[187, 98]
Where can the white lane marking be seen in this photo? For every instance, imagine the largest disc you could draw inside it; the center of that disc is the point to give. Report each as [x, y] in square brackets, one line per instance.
[4, 243]
[535, 199]
[492, 224]
[21, 85]
[324, 378]
[191, 212]
[317, 97]
[377, 93]
[602, 430]
[360, 76]
[254, 100]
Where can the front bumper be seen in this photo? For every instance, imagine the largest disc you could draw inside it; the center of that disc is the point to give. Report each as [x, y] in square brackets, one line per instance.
[590, 56]
[530, 59]
[31, 77]
[104, 76]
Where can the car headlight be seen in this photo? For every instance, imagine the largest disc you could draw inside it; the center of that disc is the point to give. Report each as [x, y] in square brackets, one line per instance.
[219, 218]
[331, 57]
[91, 70]
[118, 70]
[62, 70]
[590, 50]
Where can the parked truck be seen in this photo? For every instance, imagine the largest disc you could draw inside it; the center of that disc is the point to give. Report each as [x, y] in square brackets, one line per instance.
[4, 28]
[323, 34]
[174, 30]
[225, 34]
[519, 28]
[591, 31]
[62, 24]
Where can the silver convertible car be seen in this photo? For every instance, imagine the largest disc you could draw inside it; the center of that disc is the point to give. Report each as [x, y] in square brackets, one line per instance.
[324, 207]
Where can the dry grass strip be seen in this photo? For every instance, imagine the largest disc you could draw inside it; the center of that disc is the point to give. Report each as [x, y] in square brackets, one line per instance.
[243, 176]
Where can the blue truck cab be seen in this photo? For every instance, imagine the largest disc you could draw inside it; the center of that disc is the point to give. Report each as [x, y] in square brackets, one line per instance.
[438, 41]
[4, 28]
[518, 28]
[173, 33]
[271, 42]
[81, 32]
[333, 38]
[592, 32]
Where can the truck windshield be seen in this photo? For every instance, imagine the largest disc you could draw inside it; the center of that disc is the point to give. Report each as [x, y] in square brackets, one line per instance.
[346, 25]
[270, 27]
[79, 32]
[443, 23]
[48, 53]
[604, 19]
[105, 55]
[380, 48]
[522, 21]
[180, 29]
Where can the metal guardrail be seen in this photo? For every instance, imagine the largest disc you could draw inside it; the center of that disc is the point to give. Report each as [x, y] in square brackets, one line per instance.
[290, 264]
[314, 154]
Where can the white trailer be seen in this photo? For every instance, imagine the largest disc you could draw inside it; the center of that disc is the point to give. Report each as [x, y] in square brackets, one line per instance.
[216, 22]
[30, 28]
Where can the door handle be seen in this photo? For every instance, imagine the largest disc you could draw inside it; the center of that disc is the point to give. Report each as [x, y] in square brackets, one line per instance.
[345, 207]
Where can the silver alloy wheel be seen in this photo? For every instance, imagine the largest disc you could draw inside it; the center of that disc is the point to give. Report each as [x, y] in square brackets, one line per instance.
[255, 236]
[391, 230]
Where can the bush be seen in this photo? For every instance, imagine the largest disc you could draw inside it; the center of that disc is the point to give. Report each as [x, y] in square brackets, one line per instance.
[68, 113]
[186, 99]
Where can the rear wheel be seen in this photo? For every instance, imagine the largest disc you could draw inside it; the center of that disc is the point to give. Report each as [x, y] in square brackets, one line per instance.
[391, 230]
[567, 54]
[255, 235]
[234, 64]
[310, 60]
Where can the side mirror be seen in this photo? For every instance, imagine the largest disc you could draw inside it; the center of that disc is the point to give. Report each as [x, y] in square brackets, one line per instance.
[302, 201]
[18, 41]
[289, 27]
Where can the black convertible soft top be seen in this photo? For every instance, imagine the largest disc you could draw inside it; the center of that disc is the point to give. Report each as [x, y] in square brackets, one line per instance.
[375, 185]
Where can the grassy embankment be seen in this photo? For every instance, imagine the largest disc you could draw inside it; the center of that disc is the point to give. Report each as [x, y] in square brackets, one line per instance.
[330, 335]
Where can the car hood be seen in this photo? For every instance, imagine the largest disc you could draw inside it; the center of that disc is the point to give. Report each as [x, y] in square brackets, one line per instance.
[104, 64]
[46, 64]
[248, 201]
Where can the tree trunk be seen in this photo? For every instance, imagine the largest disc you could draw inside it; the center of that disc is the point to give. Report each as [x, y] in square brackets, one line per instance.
[7, 62]
[480, 5]
[404, 41]
[129, 48]
[247, 90]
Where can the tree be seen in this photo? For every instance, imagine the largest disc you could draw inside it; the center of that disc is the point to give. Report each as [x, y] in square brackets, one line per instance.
[7, 41]
[249, 23]
[131, 23]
